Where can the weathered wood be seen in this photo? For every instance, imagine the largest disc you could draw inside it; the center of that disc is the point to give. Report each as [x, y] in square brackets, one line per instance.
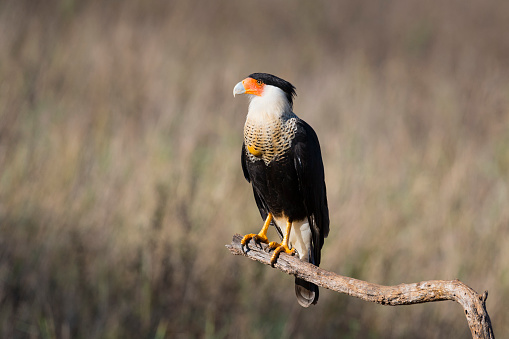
[473, 304]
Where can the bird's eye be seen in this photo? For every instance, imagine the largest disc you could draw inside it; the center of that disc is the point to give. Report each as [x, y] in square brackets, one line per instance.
[258, 82]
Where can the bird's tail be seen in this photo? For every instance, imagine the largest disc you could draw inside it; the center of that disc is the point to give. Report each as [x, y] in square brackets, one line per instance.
[306, 292]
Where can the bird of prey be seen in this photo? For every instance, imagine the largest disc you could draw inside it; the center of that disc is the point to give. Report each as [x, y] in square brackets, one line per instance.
[282, 160]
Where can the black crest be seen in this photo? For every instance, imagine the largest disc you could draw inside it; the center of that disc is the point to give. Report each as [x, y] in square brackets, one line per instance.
[269, 79]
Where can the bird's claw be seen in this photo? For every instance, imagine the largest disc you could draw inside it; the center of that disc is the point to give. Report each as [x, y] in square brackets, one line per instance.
[278, 248]
[256, 237]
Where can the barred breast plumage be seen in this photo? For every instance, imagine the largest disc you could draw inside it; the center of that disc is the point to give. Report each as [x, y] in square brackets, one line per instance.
[271, 139]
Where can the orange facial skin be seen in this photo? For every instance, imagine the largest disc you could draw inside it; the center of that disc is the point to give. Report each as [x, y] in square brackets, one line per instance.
[253, 86]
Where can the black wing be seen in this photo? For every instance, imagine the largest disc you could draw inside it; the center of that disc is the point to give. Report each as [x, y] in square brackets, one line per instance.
[243, 160]
[309, 167]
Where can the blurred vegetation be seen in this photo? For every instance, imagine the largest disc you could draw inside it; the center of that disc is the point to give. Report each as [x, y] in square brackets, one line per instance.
[120, 179]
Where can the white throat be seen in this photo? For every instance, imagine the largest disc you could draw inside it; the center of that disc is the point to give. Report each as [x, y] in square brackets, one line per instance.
[273, 104]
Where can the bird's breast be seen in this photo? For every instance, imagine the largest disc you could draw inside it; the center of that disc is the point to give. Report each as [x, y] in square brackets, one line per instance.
[269, 139]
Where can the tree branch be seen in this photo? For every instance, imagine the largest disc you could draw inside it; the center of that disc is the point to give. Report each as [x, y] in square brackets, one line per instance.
[473, 304]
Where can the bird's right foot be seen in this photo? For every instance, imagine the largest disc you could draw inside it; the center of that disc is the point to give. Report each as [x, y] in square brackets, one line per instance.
[260, 237]
[256, 237]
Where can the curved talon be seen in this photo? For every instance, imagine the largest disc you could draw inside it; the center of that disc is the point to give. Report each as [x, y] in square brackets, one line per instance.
[245, 240]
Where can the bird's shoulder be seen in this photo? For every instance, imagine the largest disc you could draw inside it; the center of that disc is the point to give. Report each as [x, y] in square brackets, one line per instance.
[305, 134]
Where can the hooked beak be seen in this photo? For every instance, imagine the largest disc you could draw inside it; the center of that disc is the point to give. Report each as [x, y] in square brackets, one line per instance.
[239, 89]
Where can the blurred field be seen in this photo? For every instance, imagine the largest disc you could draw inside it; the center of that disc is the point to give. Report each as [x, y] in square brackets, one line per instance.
[120, 177]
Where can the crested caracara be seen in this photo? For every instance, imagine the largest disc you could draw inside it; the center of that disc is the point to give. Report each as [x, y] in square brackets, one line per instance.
[282, 160]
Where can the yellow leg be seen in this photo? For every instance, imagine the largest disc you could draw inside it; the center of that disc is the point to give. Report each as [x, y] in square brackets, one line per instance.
[283, 246]
[260, 237]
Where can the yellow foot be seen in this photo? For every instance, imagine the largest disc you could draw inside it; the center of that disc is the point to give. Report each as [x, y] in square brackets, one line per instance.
[278, 249]
[256, 237]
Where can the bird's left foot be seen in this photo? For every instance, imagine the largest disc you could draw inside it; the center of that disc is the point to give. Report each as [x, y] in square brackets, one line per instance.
[278, 248]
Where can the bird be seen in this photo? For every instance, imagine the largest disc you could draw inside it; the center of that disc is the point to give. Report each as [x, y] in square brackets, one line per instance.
[282, 160]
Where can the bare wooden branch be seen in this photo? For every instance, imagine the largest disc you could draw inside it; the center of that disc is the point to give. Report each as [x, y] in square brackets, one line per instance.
[473, 304]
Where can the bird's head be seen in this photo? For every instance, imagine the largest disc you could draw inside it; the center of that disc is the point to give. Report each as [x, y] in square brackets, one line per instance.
[266, 86]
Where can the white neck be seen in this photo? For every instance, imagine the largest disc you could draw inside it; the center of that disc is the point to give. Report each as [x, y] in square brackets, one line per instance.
[272, 104]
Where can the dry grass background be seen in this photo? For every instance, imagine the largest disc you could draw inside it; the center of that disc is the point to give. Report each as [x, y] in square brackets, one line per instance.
[120, 179]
